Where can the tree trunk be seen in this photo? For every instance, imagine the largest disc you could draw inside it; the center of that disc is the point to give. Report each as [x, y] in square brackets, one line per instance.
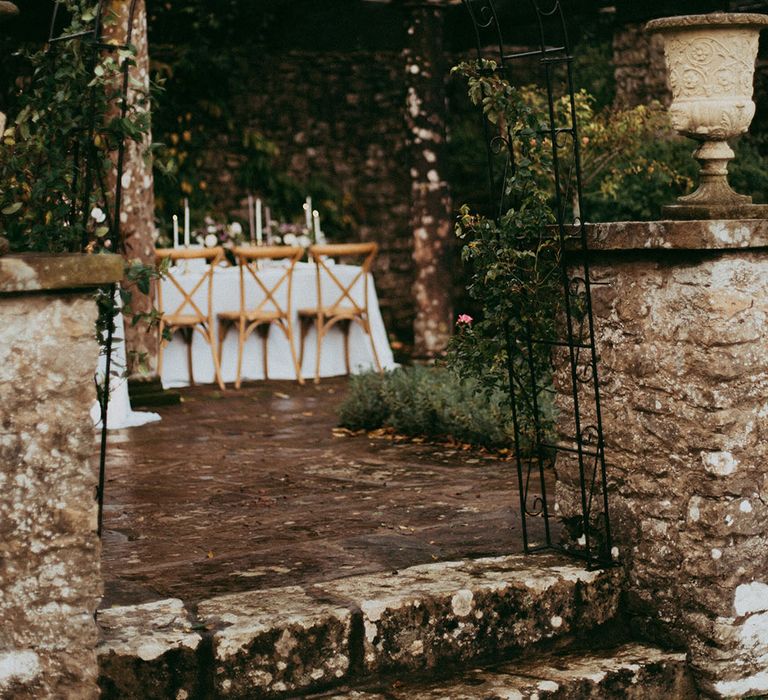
[431, 203]
[137, 211]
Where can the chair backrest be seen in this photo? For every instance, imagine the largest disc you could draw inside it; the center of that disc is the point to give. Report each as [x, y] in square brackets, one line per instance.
[188, 305]
[249, 257]
[345, 298]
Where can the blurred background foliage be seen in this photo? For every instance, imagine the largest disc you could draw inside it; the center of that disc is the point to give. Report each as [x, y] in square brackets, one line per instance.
[632, 160]
[199, 54]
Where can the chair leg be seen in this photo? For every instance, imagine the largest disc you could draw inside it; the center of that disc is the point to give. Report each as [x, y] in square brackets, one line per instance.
[320, 335]
[208, 335]
[240, 352]
[296, 362]
[373, 347]
[187, 334]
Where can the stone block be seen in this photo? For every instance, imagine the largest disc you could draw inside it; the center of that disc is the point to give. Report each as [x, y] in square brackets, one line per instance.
[276, 641]
[148, 651]
[680, 330]
[49, 552]
[427, 616]
[631, 672]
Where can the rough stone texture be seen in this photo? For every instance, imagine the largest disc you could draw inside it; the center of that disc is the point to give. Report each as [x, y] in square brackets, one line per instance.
[49, 553]
[198, 516]
[678, 235]
[631, 672]
[147, 651]
[684, 379]
[137, 211]
[276, 641]
[639, 70]
[285, 641]
[430, 198]
[337, 116]
[429, 615]
[32, 272]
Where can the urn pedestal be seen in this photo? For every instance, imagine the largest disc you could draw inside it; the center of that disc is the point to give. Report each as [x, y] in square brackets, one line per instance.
[710, 67]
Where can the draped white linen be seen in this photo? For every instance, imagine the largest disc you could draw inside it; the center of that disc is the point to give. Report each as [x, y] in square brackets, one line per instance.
[226, 297]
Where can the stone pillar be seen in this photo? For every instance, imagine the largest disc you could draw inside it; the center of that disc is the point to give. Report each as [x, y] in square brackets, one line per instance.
[680, 314]
[50, 582]
[430, 199]
[137, 213]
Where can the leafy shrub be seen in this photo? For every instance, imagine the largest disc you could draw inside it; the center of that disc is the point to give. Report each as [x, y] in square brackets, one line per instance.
[430, 402]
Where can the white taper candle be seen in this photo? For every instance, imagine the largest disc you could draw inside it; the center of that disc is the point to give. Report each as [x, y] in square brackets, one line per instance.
[250, 219]
[186, 223]
[259, 230]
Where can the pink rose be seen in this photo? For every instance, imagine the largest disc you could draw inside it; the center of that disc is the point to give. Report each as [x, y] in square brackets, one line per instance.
[464, 320]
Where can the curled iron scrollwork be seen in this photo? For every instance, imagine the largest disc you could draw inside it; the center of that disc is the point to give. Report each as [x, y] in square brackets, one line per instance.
[530, 358]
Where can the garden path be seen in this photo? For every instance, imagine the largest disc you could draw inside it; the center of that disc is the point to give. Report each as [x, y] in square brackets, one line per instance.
[254, 489]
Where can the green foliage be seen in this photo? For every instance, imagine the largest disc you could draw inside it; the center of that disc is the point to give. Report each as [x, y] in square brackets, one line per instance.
[428, 401]
[199, 118]
[68, 111]
[515, 258]
[68, 108]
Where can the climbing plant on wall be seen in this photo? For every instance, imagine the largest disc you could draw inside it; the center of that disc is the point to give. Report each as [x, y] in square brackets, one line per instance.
[203, 53]
[56, 178]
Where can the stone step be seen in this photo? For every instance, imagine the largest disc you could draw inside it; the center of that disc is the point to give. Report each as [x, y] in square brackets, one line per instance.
[629, 672]
[283, 641]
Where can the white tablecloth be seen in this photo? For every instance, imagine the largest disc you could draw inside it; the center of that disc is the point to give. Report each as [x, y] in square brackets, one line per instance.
[119, 412]
[226, 297]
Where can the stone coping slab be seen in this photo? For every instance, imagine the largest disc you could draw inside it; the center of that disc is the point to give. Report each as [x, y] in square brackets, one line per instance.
[719, 234]
[39, 272]
[279, 641]
[148, 651]
[632, 671]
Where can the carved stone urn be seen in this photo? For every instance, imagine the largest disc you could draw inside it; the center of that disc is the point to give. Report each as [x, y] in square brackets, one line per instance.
[710, 66]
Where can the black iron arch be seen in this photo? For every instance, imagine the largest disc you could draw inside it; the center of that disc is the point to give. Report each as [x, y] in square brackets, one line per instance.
[573, 349]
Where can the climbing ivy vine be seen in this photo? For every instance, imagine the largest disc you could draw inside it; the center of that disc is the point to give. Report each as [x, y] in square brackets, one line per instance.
[57, 171]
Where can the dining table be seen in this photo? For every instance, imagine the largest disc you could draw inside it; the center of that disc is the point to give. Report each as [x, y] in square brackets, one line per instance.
[304, 295]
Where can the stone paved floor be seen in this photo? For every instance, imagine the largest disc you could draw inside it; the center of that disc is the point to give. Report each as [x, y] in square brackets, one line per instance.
[251, 489]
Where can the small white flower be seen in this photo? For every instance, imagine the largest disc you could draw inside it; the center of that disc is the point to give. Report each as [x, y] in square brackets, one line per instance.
[304, 241]
[98, 215]
[235, 228]
[290, 239]
[211, 240]
[211, 229]
[199, 240]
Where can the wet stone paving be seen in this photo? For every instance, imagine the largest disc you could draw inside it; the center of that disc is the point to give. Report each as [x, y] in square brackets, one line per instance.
[254, 489]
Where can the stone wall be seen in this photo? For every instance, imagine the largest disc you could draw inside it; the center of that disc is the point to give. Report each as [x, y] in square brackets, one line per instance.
[680, 312]
[339, 117]
[50, 580]
[639, 71]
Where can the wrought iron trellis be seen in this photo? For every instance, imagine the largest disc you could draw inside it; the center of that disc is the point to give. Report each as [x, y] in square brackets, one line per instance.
[87, 176]
[571, 355]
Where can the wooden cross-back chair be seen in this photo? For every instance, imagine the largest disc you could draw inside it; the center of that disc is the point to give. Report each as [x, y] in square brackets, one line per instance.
[344, 309]
[188, 317]
[260, 316]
